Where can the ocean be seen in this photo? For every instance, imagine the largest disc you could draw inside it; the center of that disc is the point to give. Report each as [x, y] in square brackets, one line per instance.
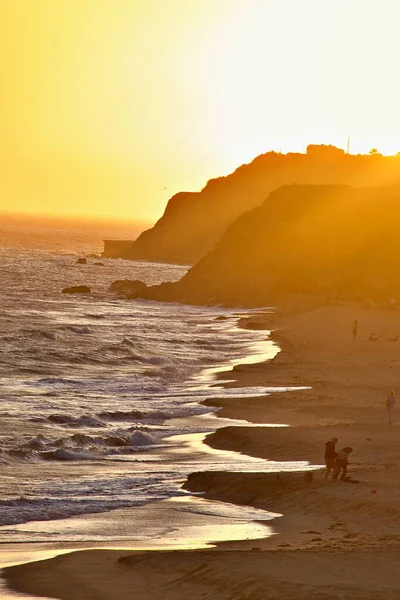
[101, 400]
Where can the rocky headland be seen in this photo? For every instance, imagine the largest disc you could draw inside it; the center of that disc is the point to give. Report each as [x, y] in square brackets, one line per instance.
[193, 222]
[319, 241]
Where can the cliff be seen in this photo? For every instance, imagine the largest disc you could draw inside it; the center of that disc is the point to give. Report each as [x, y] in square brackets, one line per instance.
[194, 222]
[307, 240]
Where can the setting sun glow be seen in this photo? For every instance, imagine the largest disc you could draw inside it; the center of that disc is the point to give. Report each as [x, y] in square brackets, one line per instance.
[109, 107]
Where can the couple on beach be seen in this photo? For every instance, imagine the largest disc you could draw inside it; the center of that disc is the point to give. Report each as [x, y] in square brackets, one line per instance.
[336, 461]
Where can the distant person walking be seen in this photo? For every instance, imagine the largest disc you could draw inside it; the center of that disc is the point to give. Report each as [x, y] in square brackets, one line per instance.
[342, 460]
[330, 456]
[355, 330]
[390, 402]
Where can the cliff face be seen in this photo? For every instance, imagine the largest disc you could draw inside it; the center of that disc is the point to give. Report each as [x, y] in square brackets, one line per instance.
[313, 240]
[194, 222]
[171, 239]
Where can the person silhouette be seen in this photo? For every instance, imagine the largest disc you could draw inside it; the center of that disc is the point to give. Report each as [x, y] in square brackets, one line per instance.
[390, 402]
[342, 460]
[355, 330]
[330, 456]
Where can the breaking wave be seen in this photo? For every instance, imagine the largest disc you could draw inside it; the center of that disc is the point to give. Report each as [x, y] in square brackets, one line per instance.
[68, 420]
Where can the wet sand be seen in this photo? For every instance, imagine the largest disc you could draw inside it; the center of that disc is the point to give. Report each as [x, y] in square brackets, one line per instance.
[334, 539]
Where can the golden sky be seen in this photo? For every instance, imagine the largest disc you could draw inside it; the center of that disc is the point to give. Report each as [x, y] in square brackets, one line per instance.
[105, 103]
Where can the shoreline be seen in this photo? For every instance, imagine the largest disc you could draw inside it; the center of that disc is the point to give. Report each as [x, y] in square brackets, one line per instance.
[321, 522]
[22, 552]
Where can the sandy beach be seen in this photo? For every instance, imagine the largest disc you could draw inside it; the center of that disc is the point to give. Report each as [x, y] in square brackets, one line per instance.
[200, 291]
[334, 540]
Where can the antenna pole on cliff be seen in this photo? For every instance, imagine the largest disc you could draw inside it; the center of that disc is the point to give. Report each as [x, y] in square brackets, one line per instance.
[348, 145]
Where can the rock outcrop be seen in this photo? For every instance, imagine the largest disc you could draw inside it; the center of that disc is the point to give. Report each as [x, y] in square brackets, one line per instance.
[127, 288]
[304, 240]
[194, 222]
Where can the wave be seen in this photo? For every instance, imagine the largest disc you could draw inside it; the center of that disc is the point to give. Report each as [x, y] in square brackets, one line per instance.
[32, 370]
[35, 443]
[156, 360]
[142, 439]
[82, 421]
[134, 415]
[18, 454]
[25, 509]
[126, 349]
[60, 380]
[84, 440]
[121, 415]
[41, 334]
[80, 439]
[78, 447]
[45, 334]
[60, 355]
[132, 350]
[77, 329]
[64, 454]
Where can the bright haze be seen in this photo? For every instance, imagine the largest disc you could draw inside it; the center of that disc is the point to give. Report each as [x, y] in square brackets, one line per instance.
[109, 107]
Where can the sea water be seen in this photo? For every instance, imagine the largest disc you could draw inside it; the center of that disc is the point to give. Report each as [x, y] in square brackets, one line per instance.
[101, 397]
